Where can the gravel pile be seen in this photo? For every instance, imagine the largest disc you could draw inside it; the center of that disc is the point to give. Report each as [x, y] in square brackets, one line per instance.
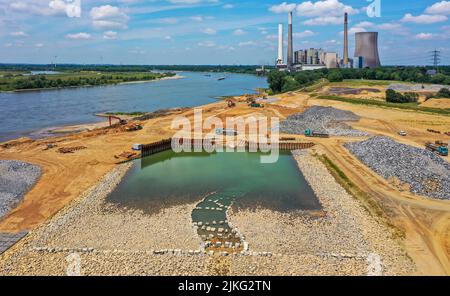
[417, 87]
[16, 178]
[425, 172]
[322, 119]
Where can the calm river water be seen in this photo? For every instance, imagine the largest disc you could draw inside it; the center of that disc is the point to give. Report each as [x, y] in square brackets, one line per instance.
[23, 113]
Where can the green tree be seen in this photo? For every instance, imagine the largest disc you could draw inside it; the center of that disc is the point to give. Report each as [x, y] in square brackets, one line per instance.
[335, 76]
[276, 81]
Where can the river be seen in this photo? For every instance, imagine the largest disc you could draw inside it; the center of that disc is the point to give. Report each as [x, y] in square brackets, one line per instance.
[24, 113]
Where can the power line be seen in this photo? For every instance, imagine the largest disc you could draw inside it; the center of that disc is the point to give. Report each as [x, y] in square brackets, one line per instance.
[436, 58]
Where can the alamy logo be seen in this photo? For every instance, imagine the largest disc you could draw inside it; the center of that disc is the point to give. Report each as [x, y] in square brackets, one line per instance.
[374, 9]
[71, 7]
[236, 134]
[73, 265]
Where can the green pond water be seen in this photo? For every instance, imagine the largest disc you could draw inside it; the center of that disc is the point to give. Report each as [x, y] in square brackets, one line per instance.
[167, 178]
[215, 182]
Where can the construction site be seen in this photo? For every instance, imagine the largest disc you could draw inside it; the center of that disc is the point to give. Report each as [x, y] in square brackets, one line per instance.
[380, 175]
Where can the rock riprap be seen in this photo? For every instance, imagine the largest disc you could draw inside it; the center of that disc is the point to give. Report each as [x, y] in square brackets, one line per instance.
[426, 173]
[16, 178]
[323, 120]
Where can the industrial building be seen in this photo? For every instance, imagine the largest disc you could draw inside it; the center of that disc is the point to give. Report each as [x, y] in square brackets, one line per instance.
[366, 52]
[366, 47]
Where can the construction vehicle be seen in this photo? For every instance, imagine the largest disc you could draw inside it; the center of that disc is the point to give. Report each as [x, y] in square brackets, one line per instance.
[438, 148]
[256, 105]
[226, 132]
[133, 127]
[121, 121]
[309, 133]
[231, 104]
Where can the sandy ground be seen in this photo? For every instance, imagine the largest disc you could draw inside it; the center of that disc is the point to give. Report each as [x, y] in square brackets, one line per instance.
[425, 222]
[437, 103]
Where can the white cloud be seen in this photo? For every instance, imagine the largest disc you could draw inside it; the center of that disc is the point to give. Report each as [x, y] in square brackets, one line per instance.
[109, 17]
[39, 45]
[239, 32]
[442, 8]
[304, 34]
[168, 38]
[197, 18]
[283, 8]
[324, 21]
[424, 36]
[110, 35]
[324, 8]
[209, 31]
[79, 36]
[424, 18]
[207, 44]
[247, 43]
[355, 30]
[191, 1]
[228, 6]
[19, 34]
[394, 28]
[167, 20]
[72, 9]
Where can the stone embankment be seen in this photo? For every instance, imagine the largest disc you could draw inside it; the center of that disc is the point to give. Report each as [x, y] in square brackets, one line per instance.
[425, 172]
[16, 178]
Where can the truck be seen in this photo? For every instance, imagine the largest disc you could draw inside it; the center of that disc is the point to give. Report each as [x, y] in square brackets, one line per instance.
[438, 148]
[310, 133]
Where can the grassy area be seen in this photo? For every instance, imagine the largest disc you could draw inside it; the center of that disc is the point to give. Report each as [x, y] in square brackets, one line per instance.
[316, 86]
[363, 82]
[404, 106]
[365, 199]
[72, 79]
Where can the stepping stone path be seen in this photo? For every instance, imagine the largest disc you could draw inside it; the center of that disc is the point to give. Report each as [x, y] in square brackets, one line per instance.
[212, 212]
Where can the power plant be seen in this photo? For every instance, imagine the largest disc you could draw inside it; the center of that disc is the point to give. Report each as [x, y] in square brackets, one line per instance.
[346, 40]
[290, 53]
[366, 52]
[366, 47]
[280, 60]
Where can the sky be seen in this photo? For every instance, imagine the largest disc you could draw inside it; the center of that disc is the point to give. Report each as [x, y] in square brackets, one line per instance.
[213, 31]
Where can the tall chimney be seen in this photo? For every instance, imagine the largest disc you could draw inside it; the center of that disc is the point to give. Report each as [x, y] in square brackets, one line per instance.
[280, 45]
[346, 40]
[290, 54]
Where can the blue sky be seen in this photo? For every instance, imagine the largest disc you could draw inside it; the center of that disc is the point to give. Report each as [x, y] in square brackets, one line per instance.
[211, 31]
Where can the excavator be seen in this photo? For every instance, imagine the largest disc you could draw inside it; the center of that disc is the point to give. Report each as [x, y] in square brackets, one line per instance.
[121, 121]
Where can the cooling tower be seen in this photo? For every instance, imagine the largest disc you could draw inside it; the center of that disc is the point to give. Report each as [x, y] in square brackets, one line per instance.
[367, 47]
[346, 40]
[280, 45]
[290, 53]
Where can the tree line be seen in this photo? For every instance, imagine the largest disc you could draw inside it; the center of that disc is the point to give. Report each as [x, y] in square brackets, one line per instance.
[72, 80]
[282, 81]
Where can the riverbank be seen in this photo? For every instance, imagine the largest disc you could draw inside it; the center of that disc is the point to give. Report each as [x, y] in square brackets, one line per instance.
[66, 177]
[74, 79]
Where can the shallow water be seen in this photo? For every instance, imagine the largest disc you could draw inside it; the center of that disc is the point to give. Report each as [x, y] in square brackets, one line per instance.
[24, 113]
[166, 179]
